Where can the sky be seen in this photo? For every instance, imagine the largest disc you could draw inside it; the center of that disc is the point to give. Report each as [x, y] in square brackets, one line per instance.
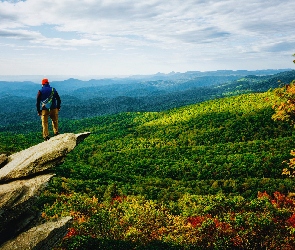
[136, 37]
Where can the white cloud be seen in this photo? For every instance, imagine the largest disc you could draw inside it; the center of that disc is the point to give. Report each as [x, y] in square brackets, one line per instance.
[20, 34]
[177, 30]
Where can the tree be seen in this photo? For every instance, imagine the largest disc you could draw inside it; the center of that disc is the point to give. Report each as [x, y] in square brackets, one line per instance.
[284, 108]
[285, 104]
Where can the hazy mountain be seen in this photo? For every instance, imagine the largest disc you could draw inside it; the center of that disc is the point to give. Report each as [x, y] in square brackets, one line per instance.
[82, 99]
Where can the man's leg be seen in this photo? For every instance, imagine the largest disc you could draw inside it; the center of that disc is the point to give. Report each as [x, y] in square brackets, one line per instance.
[44, 119]
[54, 118]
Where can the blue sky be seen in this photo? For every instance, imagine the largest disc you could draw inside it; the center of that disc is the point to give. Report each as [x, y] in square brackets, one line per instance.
[127, 37]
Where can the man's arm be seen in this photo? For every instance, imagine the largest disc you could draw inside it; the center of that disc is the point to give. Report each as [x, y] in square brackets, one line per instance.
[58, 100]
[38, 102]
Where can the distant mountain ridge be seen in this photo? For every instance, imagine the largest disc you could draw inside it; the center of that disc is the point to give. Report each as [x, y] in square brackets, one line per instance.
[81, 99]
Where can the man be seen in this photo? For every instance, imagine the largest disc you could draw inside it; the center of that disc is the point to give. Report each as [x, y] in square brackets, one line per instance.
[48, 104]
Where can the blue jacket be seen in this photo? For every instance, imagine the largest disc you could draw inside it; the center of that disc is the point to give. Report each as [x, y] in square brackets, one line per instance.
[44, 93]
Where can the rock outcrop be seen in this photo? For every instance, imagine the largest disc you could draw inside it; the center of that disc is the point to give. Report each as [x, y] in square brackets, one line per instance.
[23, 175]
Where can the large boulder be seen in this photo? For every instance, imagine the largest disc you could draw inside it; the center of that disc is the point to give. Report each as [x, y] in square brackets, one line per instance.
[41, 237]
[22, 178]
[40, 157]
[16, 201]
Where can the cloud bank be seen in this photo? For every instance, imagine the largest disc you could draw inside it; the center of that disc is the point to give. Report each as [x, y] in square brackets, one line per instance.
[130, 37]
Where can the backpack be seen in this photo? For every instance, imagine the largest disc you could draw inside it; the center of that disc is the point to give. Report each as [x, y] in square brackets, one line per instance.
[46, 104]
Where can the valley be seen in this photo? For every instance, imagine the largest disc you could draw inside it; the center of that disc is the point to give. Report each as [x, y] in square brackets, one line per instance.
[202, 171]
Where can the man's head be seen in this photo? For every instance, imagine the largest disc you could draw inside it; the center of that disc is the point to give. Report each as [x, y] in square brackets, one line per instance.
[45, 81]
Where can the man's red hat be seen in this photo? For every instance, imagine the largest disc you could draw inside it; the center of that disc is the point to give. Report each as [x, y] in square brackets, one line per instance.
[44, 81]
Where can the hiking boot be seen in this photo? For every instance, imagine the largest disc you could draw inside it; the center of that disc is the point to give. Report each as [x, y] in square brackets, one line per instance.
[46, 138]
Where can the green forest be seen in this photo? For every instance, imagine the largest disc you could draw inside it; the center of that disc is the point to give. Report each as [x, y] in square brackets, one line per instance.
[202, 176]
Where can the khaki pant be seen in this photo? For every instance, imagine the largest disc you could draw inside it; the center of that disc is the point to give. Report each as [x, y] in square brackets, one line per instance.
[53, 114]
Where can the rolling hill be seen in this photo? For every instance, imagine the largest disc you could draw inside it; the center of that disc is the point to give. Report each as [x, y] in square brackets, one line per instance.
[193, 147]
[231, 138]
[200, 176]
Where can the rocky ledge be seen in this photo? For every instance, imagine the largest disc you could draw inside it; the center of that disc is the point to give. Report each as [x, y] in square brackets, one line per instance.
[23, 175]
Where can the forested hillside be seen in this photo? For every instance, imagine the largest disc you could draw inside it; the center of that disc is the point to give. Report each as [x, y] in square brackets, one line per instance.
[185, 178]
[191, 148]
